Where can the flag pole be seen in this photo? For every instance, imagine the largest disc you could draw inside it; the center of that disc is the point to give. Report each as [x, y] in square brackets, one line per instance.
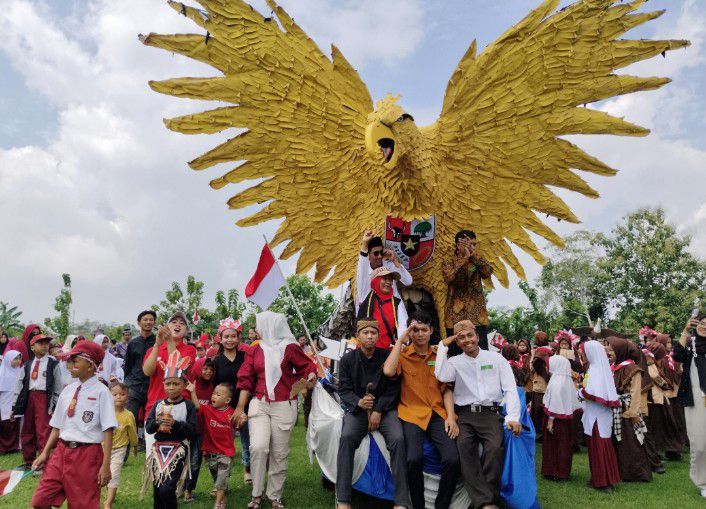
[299, 313]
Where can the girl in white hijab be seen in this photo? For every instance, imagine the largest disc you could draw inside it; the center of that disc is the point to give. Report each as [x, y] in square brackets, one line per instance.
[270, 370]
[599, 398]
[111, 369]
[560, 403]
[10, 371]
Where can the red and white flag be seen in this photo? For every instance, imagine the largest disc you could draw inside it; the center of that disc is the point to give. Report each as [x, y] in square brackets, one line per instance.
[264, 286]
[196, 318]
[9, 479]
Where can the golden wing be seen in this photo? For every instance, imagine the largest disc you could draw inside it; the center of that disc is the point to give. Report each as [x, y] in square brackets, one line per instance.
[305, 117]
[503, 113]
[504, 110]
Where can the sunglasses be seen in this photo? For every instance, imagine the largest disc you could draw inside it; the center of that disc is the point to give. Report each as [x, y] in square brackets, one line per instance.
[376, 253]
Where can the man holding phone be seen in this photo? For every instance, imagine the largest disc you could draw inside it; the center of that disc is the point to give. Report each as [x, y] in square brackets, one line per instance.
[464, 273]
[372, 256]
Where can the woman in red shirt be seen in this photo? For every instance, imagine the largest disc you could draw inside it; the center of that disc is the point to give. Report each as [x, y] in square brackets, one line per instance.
[270, 370]
[169, 338]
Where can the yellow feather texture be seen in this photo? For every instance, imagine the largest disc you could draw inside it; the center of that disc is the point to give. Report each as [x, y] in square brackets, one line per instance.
[486, 164]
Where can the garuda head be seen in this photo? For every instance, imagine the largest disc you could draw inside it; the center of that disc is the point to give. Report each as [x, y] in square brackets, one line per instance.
[390, 132]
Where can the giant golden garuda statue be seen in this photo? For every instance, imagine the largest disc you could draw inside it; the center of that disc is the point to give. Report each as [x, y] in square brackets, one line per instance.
[333, 165]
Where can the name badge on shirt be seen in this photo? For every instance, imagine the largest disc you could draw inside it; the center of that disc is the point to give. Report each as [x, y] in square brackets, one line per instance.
[486, 366]
[431, 363]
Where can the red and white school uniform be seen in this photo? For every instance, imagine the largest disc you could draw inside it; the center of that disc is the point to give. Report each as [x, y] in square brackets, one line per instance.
[71, 473]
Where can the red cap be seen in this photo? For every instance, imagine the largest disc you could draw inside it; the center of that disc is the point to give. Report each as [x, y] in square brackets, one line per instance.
[40, 337]
[88, 350]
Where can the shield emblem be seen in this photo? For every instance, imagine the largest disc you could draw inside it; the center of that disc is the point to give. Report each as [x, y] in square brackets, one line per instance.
[412, 241]
[87, 416]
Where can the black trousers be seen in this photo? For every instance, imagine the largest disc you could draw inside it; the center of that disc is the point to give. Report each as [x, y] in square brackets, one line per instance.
[165, 495]
[481, 475]
[355, 427]
[482, 331]
[135, 401]
[450, 466]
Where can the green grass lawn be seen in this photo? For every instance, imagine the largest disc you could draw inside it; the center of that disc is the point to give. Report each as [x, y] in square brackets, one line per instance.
[303, 490]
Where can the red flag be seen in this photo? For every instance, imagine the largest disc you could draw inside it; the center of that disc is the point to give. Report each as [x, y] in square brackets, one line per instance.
[264, 286]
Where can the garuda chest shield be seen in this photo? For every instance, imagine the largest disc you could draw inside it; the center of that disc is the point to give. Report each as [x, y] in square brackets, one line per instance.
[412, 241]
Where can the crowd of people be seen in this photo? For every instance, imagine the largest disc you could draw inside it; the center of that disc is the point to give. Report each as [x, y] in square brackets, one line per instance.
[77, 410]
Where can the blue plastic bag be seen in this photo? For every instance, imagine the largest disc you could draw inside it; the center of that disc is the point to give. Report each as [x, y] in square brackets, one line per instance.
[519, 485]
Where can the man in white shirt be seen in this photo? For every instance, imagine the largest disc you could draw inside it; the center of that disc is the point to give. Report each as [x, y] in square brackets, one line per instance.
[373, 256]
[482, 381]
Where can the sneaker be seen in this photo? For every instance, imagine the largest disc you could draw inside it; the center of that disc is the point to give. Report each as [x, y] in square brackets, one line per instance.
[703, 493]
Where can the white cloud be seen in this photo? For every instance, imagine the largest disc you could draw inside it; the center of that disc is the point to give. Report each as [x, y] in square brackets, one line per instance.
[365, 30]
[109, 198]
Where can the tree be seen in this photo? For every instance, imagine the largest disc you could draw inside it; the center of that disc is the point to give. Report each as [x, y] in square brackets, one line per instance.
[315, 305]
[10, 319]
[573, 282]
[654, 279]
[227, 304]
[62, 305]
[177, 299]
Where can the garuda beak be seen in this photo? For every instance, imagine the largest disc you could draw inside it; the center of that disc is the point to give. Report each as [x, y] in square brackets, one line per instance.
[380, 144]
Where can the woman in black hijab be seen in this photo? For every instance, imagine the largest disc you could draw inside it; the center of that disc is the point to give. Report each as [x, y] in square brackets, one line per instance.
[691, 352]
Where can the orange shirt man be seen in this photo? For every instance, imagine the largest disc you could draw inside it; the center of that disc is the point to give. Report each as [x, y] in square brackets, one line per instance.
[426, 409]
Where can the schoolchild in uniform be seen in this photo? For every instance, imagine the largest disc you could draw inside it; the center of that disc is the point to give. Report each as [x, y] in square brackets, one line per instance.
[83, 419]
[35, 397]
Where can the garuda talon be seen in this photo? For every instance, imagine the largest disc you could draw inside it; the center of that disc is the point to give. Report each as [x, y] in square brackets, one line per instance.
[331, 164]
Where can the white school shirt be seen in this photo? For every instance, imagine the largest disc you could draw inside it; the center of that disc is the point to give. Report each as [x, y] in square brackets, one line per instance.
[40, 384]
[485, 380]
[94, 412]
[362, 281]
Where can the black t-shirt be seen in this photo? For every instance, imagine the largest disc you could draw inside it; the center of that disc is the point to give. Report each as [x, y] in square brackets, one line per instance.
[133, 375]
[226, 371]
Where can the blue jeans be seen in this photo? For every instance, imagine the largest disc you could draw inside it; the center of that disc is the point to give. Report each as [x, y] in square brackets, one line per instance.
[245, 445]
[196, 458]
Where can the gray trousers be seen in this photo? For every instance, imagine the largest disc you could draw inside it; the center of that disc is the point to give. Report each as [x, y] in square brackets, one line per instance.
[355, 427]
[481, 476]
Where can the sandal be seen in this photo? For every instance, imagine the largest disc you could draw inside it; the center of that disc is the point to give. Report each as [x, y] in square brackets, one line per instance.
[188, 497]
[255, 503]
[276, 504]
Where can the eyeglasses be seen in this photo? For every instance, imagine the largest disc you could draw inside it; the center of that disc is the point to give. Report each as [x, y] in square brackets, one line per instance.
[376, 253]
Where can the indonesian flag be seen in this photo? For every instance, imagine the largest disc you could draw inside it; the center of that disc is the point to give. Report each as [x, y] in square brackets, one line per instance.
[268, 279]
[196, 318]
[9, 479]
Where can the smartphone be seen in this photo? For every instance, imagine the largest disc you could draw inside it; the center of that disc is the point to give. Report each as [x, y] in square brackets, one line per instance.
[695, 311]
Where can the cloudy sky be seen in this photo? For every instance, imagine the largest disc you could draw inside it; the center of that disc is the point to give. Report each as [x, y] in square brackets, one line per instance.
[91, 183]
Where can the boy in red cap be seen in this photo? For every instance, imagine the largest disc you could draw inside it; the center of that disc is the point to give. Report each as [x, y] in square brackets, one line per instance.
[35, 397]
[84, 417]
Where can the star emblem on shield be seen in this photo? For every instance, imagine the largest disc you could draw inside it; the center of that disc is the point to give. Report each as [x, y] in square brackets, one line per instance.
[412, 241]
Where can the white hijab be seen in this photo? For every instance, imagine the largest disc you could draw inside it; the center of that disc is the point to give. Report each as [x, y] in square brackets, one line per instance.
[8, 374]
[600, 378]
[110, 365]
[69, 343]
[275, 336]
[560, 399]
